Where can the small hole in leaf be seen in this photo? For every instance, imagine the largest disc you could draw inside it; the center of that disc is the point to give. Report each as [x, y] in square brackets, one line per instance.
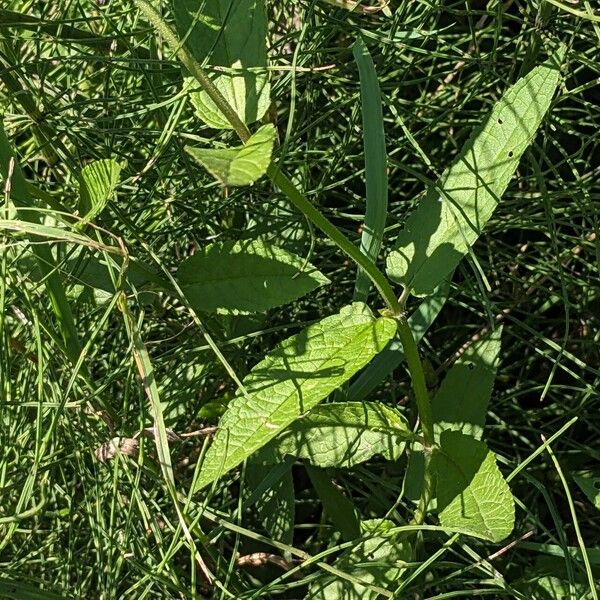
[471, 366]
[597, 484]
[511, 154]
[499, 121]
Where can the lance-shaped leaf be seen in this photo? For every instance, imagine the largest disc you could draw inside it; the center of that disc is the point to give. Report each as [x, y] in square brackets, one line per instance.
[472, 494]
[300, 372]
[231, 35]
[242, 165]
[454, 212]
[97, 182]
[342, 434]
[375, 164]
[461, 402]
[246, 276]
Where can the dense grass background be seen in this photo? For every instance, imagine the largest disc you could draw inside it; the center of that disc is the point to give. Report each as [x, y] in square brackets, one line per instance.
[80, 81]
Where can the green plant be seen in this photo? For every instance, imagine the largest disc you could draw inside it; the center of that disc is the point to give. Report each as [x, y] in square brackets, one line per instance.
[307, 400]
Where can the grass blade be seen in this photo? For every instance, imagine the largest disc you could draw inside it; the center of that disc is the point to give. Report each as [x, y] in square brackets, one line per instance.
[375, 164]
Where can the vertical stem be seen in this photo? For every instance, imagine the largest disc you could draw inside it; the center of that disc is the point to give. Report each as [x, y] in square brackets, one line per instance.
[417, 375]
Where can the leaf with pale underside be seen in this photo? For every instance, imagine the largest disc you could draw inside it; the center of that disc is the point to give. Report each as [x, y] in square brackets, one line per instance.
[298, 374]
[238, 166]
[448, 221]
[342, 434]
[97, 182]
[472, 495]
[244, 277]
[228, 37]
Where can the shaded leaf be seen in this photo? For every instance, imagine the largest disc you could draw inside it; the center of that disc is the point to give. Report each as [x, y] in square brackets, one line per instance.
[97, 184]
[246, 276]
[275, 506]
[342, 435]
[375, 164]
[461, 403]
[337, 506]
[242, 165]
[230, 34]
[589, 483]
[377, 561]
[300, 372]
[453, 214]
[472, 494]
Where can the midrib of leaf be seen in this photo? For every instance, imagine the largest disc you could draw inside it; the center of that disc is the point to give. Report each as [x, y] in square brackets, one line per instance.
[330, 359]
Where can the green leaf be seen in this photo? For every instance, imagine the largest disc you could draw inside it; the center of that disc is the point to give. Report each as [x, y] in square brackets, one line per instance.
[589, 482]
[461, 402]
[97, 182]
[375, 164]
[246, 276]
[377, 561]
[300, 372]
[242, 165]
[342, 435]
[472, 495]
[453, 214]
[336, 505]
[230, 34]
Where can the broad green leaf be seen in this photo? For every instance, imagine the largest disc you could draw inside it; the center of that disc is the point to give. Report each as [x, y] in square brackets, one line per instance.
[246, 276]
[438, 234]
[589, 483]
[97, 182]
[461, 402]
[472, 495]
[342, 435]
[242, 165]
[393, 355]
[337, 506]
[11, 589]
[378, 561]
[230, 34]
[300, 372]
[375, 164]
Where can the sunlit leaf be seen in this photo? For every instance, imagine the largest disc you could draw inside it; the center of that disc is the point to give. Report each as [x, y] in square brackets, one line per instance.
[454, 212]
[97, 181]
[461, 403]
[242, 165]
[298, 374]
[472, 494]
[231, 35]
[342, 434]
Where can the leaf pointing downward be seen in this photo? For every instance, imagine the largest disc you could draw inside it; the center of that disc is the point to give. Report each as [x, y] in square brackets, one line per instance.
[472, 495]
[242, 165]
[454, 212]
[301, 372]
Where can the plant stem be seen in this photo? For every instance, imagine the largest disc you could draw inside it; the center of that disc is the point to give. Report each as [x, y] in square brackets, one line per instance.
[415, 367]
[417, 376]
[278, 178]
